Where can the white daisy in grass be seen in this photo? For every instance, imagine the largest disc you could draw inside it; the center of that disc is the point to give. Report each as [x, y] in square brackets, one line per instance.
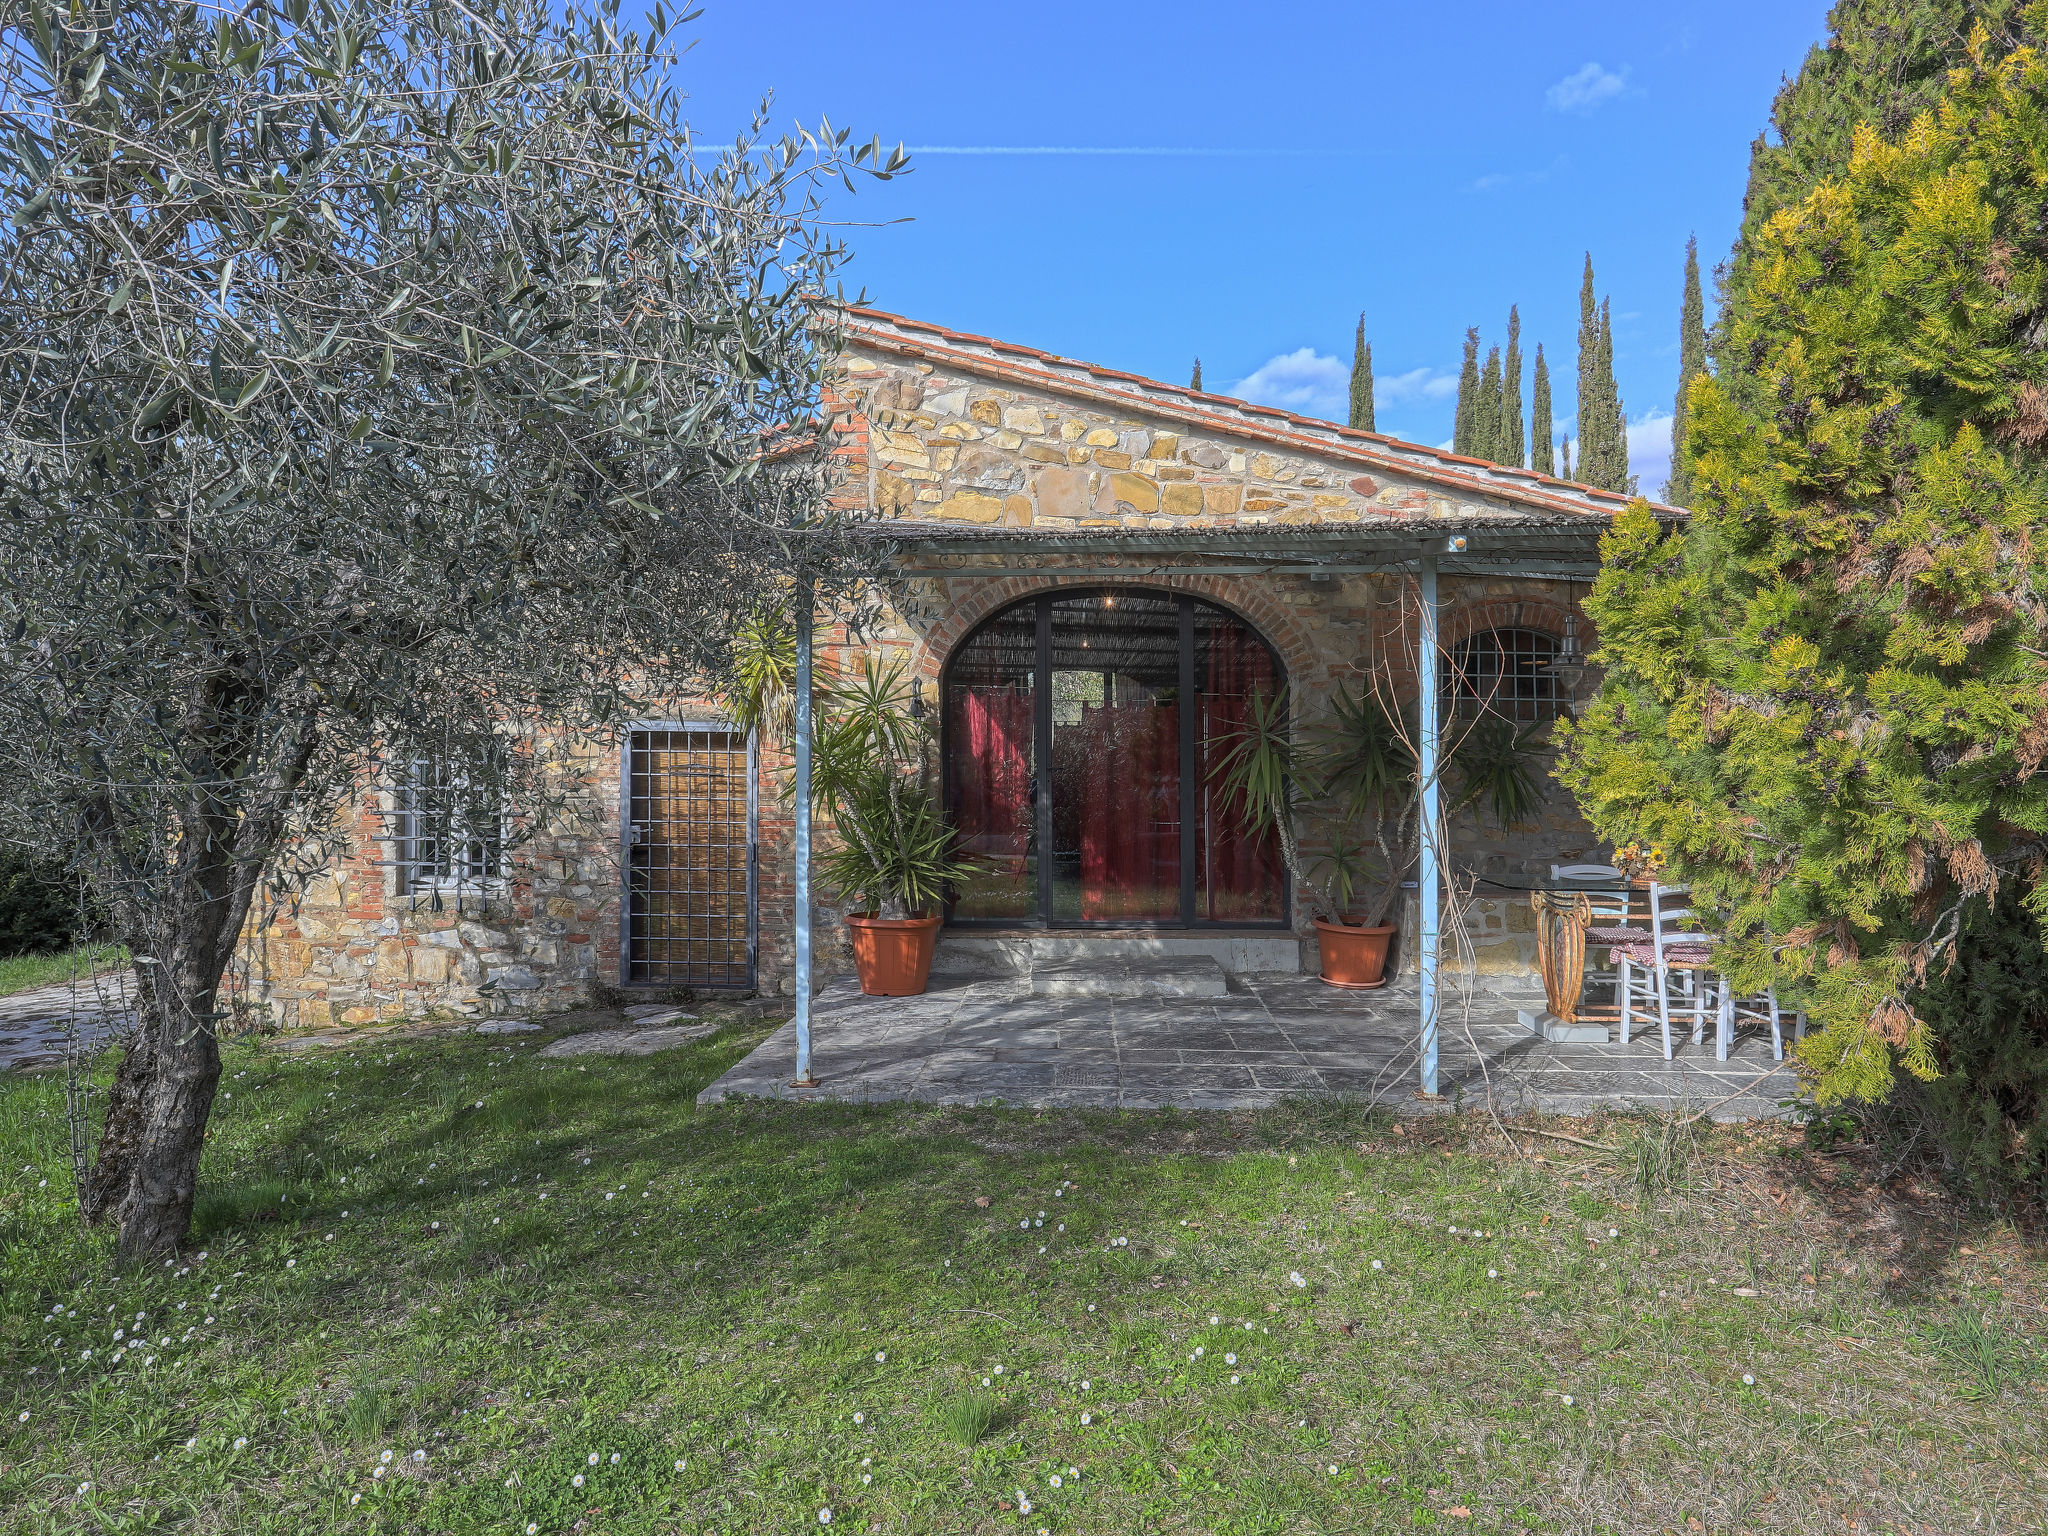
[84, 1488]
[1233, 1381]
[999, 1370]
[1747, 1380]
[1054, 1480]
[824, 1517]
[1230, 1359]
[1493, 1274]
[354, 1499]
[866, 1478]
[419, 1456]
[385, 1458]
[1375, 1264]
[1295, 1276]
[192, 1444]
[860, 1418]
[1568, 1400]
[377, 1473]
[532, 1528]
[881, 1355]
[680, 1463]
[576, 1481]
[24, 1417]
[1087, 1418]
[615, 1458]
[593, 1458]
[1073, 1472]
[241, 1442]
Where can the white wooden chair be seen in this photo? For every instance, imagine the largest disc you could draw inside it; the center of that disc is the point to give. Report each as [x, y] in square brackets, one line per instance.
[1650, 964]
[1763, 1009]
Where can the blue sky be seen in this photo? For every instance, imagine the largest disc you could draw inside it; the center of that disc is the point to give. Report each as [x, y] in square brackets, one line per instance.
[1263, 174]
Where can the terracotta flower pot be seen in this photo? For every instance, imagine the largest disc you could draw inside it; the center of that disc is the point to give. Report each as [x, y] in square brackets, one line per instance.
[1354, 955]
[893, 955]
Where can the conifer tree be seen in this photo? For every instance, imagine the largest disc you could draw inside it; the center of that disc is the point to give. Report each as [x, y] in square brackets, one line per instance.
[1589, 365]
[1361, 380]
[1468, 395]
[1195, 380]
[1564, 457]
[1825, 696]
[1603, 426]
[1514, 443]
[1486, 422]
[1543, 460]
[1692, 361]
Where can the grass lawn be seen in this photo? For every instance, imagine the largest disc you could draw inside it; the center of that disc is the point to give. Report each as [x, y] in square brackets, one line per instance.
[440, 1285]
[24, 973]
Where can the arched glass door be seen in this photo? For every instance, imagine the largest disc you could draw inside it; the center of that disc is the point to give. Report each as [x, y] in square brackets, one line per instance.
[1079, 781]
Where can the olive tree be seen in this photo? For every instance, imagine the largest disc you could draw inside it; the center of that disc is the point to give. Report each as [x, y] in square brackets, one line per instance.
[381, 382]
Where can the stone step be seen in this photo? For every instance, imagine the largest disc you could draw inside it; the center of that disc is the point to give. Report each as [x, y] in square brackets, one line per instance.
[968, 952]
[1175, 976]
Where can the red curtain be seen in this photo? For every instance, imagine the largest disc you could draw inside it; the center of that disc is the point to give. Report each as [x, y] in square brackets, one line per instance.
[1130, 826]
[1241, 872]
[992, 773]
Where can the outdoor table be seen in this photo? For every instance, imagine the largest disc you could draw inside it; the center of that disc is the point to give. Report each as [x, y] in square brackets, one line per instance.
[1563, 913]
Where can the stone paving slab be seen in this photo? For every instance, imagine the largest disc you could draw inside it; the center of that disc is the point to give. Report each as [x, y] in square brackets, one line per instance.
[990, 1040]
[36, 1026]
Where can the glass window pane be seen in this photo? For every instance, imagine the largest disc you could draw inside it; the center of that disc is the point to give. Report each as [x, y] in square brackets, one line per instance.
[1239, 875]
[991, 719]
[1116, 781]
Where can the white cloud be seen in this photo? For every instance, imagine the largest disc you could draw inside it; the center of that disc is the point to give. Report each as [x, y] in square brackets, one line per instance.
[1649, 452]
[1587, 88]
[1302, 381]
[1495, 180]
[1415, 384]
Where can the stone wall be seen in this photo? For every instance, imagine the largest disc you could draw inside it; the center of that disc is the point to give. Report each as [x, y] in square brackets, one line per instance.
[968, 444]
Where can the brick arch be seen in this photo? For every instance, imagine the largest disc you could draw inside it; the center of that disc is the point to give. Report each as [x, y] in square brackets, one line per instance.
[1250, 600]
[1542, 613]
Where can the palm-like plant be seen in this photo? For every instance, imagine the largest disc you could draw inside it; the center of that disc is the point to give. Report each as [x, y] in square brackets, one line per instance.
[1354, 774]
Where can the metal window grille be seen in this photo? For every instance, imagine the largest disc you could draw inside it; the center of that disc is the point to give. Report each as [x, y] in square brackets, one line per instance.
[690, 909]
[1505, 672]
[445, 836]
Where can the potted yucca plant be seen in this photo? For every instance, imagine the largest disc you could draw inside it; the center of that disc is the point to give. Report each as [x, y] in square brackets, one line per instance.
[893, 854]
[1350, 783]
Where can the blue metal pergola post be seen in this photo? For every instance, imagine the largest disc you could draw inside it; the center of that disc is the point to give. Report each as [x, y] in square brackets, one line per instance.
[1431, 873]
[803, 835]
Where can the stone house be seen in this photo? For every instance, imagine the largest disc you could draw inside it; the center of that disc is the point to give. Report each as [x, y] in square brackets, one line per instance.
[1076, 551]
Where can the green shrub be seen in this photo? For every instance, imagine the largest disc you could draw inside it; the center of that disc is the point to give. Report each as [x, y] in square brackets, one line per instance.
[1988, 1110]
[38, 907]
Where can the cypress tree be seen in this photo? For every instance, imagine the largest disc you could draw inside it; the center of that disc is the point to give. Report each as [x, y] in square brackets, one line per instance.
[1692, 361]
[1589, 365]
[1614, 418]
[1514, 443]
[1603, 428]
[1195, 382]
[1486, 423]
[1564, 457]
[1468, 395]
[1544, 461]
[1361, 380]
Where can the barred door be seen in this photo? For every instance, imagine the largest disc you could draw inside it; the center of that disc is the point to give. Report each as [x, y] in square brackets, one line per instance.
[690, 841]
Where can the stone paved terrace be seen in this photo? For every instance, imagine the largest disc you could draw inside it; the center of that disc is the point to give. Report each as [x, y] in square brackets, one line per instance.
[34, 1026]
[972, 1042]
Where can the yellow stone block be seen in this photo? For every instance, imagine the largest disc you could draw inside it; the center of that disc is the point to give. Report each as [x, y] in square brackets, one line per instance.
[1221, 500]
[1265, 466]
[1024, 419]
[988, 412]
[968, 507]
[1101, 437]
[1139, 492]
[1182, 501]
[1165, 446]
[1070, 431]
[1017, 512]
